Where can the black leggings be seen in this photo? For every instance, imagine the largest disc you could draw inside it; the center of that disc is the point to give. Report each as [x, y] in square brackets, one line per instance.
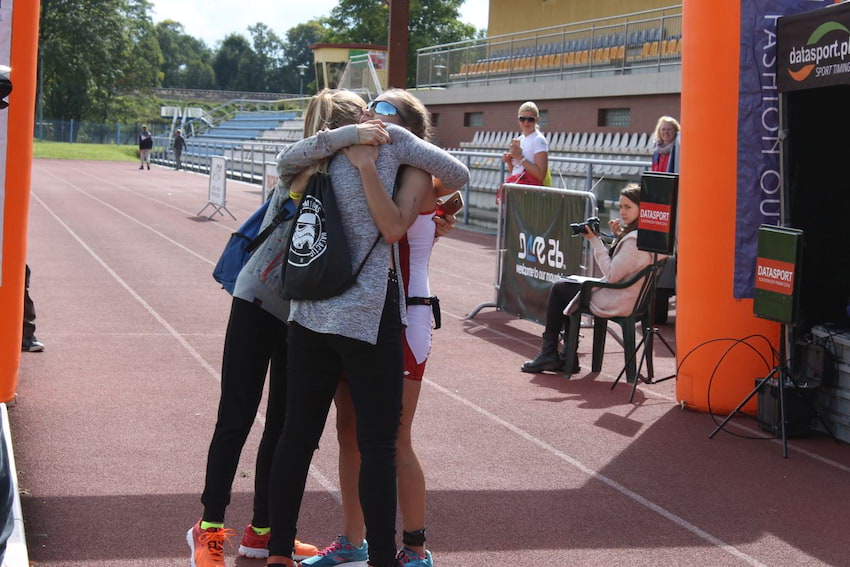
[254, 337]
[374, 374]
[559, 297]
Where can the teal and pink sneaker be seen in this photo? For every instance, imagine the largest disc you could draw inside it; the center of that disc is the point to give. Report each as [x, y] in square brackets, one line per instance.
[409, 558]
[341, 553]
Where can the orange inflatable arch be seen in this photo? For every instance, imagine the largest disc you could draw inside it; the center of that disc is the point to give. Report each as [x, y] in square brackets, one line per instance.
[23, 61]
[706, 307]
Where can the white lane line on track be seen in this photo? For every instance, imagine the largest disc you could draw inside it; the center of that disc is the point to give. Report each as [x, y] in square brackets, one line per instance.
[333, 489]
[260, 418]
[122, 213]
[153, 312]
[657, 395]
[148, 197]
[681, 522]
[595, 474]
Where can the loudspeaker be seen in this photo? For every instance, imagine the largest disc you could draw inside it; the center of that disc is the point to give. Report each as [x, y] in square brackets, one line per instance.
[798, 409]
[814, 363]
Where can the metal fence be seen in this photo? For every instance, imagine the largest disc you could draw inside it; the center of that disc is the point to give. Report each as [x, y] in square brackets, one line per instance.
[246, 162]
[629, 43]
[75, 131]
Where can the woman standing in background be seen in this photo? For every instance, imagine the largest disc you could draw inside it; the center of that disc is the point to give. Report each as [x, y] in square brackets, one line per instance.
[528, 155]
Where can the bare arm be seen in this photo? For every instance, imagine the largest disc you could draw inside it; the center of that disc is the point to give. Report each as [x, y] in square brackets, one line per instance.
[393, 218]
[539, 167]
[299, 182]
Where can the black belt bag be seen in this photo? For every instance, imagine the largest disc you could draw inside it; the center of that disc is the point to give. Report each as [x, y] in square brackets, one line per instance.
[433, 301]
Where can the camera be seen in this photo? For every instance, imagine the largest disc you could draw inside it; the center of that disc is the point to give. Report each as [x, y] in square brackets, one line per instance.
[591, 225]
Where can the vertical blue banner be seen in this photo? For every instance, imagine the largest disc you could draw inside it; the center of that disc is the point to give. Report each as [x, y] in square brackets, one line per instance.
[758, 180]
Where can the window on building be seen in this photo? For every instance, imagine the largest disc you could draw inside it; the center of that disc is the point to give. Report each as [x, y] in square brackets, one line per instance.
[616, 117]
[475, 119]
[435, 119]
[543, 120]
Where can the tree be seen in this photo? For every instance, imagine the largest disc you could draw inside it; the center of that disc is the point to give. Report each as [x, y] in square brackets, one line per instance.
[366, 21]
[298, 52]
[269, 58]
[90, 51]
[227, 60]
[186, 60]
[358, 21]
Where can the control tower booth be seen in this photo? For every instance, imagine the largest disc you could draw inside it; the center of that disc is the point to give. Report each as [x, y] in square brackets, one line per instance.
[331, 59]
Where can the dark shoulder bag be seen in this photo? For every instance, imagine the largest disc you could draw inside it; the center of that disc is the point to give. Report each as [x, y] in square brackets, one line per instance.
[318, 263]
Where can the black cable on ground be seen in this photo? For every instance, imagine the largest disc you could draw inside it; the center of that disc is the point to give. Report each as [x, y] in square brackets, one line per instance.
[735, 343]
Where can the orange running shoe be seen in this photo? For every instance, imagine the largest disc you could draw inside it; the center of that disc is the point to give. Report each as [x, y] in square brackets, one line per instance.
[207, 545]
[257, 546]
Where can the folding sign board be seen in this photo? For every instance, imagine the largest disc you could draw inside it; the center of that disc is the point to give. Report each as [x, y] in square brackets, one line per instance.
[777, 273]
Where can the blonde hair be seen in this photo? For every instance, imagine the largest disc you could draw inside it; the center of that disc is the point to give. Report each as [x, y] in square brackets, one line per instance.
[331, 108]
[529, 106]
[666, 120]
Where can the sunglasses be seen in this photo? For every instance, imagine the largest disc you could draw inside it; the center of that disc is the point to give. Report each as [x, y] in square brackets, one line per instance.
[526, 118]
[383, 108]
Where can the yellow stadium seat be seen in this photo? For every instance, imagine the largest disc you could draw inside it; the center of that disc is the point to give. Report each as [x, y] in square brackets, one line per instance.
[653, 49]
[618, 52]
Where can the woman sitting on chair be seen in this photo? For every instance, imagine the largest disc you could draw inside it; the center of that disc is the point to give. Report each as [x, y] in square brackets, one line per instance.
[618, 263]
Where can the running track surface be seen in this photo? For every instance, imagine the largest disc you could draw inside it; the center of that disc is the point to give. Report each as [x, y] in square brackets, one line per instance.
[113, 420]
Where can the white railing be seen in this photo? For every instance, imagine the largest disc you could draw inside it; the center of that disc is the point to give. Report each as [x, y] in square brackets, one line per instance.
[639, 41]
[246, 161]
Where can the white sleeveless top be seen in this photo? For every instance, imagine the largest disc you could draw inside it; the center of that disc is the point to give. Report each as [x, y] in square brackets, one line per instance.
[414, 254]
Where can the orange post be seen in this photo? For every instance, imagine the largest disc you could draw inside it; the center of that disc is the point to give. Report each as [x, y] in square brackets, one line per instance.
[23, 61]
[707, 309]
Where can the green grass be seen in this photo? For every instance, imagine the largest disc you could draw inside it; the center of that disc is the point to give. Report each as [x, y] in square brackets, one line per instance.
[97, 152]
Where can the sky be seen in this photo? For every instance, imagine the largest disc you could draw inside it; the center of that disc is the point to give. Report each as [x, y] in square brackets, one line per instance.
[211, 20]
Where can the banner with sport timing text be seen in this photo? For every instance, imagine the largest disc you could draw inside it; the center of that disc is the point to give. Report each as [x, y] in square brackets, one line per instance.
[758, 180]
[539, 248]
[814, 49]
